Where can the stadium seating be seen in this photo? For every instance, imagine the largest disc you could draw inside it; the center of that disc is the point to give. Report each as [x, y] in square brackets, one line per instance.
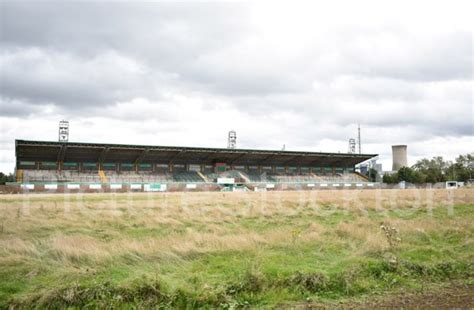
[211, 176]
[254, 177]
[185, 176]
[42, 161]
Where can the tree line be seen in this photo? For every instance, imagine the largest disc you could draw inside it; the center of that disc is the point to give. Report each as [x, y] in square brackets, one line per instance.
[435, 170]
[4, 178]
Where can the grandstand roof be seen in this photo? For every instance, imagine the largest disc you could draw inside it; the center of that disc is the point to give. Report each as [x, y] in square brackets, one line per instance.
[99, 152]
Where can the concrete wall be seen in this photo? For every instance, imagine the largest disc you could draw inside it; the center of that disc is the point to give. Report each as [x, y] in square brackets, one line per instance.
[173, 187]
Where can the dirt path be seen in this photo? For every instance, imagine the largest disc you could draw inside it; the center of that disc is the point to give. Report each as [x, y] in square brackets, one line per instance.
[455, 297]
[452, 297]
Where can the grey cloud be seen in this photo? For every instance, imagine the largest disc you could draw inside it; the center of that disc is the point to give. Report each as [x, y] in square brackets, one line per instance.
[398, 54]
[43, 77]
[165, 38]
[165, 33]
[13, 108]
[85, 58]
[206, 46]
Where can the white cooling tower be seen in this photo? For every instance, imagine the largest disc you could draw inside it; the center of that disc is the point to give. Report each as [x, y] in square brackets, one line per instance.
[399, 155]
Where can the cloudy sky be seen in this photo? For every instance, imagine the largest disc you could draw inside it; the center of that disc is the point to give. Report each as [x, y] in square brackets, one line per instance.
[185, 73]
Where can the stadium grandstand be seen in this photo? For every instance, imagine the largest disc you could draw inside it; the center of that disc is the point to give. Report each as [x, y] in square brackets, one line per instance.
[44, 165]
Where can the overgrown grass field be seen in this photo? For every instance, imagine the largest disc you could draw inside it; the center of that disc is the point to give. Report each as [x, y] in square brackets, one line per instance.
[230, 250]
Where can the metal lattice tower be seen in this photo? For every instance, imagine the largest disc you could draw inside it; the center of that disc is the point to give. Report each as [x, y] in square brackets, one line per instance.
[232, 140]
[352, 146]
[63, 131]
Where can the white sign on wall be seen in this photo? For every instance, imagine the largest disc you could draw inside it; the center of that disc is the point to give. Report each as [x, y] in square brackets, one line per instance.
[51, 186]
[225, 181]
[135, 186]
[115, 186]
[270, 185]
[95, 186]
[323, 185]
[310, 185]
[154, 187]
[191, 186]
[28, 186]
[359, 185]
[73, 186]
[347, 185]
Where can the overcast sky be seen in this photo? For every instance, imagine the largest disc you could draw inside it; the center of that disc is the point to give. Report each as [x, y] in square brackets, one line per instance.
[185, 73]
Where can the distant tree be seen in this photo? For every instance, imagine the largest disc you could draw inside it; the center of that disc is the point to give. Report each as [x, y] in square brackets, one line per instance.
[410, 175]
[434, 169]
[405, 174]
[4, 178]
[390, 178]
[372, 174]
[462, 169]
[439, 170]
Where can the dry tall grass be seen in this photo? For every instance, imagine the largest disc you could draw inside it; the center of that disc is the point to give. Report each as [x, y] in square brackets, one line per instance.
[97, 227]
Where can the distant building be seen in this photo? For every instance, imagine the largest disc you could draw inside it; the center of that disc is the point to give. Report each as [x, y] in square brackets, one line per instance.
[378, 168]
[46, 165]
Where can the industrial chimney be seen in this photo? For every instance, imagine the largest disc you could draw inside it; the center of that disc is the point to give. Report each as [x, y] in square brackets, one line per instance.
[399, 155]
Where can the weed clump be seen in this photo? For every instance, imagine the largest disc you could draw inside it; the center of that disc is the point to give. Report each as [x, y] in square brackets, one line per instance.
[100, 295]
[312, 282]
[251, 282]
[392, 235]
[439, 271]
[295, 234]
[242, 293]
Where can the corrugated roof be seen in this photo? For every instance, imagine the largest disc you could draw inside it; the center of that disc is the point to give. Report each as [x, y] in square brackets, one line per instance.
[105, 152]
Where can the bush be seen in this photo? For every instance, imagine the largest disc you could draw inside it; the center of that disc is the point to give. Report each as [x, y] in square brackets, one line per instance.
[405, 174]
[4, 178]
